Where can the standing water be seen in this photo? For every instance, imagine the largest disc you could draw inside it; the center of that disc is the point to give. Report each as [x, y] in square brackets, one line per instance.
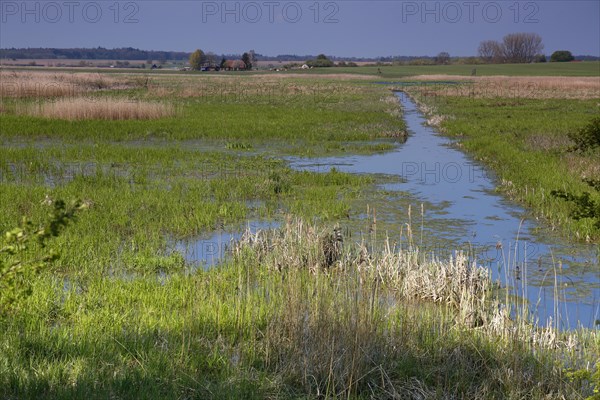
[559, 280]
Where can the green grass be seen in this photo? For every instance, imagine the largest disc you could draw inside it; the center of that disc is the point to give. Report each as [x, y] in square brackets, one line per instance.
[264, 326]
[226, 122]
[588, 68]
[216, 165]
[121, 316]
[142, 196]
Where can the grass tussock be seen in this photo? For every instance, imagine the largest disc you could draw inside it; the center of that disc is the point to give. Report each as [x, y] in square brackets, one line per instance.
[84, 108]
[457, 282]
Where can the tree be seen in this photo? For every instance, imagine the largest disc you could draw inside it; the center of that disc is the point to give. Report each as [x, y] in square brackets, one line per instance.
[197, 59]
[320, 61]
[211, 59]
[222, 64]
[515, 48]
[443, 58]
[247, 60]
[561, 56]
[521, 47]
[490, 51]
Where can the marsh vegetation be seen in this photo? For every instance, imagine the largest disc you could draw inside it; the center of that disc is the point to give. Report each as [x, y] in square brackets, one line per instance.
[327, 305]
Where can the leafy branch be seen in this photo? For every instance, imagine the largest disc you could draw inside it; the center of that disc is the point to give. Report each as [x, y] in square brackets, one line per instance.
[24, 252]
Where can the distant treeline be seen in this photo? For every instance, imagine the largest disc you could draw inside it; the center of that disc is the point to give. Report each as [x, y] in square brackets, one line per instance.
[129, 53]
[587, 58]
[99, 53]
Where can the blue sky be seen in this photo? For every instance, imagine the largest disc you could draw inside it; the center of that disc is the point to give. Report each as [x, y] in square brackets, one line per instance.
[340, 28]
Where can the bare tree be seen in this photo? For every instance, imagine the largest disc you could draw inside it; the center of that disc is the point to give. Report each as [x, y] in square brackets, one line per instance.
[521, 47]
[211, 59]
[490, 51]
[253, 59]
[515, 48]
[443, 58]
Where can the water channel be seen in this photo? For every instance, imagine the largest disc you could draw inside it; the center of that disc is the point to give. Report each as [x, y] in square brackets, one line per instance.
[558, 279]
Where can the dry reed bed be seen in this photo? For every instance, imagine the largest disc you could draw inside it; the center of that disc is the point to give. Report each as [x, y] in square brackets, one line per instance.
[85, 108]
[344, 327]
[457, 282]
[254, 86]
[301, 246]
[327, 76]
[15, 84]
[532, 87]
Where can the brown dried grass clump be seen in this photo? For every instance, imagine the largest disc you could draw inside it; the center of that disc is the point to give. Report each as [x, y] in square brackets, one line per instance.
[457, 282]
[548, 143]
[15, 84]
[338, 315]
[587, 167]
[104, 109]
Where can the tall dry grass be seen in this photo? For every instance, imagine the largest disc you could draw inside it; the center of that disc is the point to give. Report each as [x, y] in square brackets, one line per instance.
[532, 87]
[247, 88]
[84, 108]
[345, 319]
[457, 282]
[17, 84]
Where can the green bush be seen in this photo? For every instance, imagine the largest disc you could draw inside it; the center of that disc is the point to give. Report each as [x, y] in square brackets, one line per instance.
[561, 56]
[24, 253]
[587, 137]
[585, 206]
[320, 62]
